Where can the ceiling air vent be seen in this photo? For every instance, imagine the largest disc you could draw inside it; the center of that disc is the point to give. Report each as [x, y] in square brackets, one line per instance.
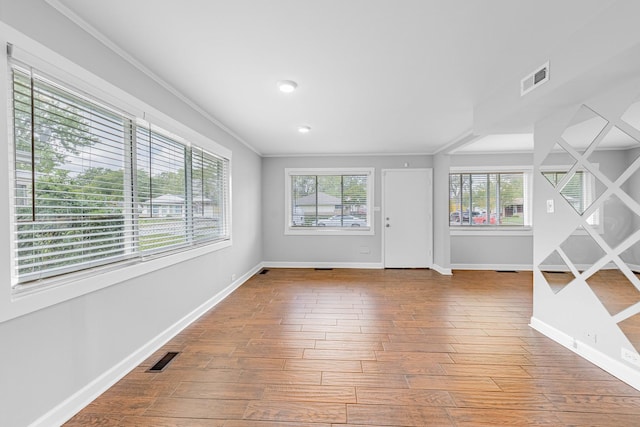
[535, 79]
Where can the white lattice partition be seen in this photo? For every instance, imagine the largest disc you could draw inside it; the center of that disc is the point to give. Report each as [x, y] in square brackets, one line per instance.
[587, 230]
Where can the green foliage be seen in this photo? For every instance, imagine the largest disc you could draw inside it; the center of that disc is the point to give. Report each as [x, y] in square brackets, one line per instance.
[168, 183]
[511, 188]
[59, 128]
[354, 190]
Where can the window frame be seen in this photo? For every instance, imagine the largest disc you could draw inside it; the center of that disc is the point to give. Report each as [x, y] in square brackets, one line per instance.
[497, 229]
[47, 292]
[145, 147]
[329, 231]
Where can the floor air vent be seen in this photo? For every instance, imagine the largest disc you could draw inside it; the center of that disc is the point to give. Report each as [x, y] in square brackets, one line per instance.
[506, 271]
[162, 363]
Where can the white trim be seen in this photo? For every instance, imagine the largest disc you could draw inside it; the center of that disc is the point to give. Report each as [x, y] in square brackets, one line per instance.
[329, 231]
[487, 230]
[311, 264]
[442, 270]
[91, 30]
[299, 155]
[350, 265]
[615, 367]
[517, 267]
[329, 171]
[488, 152]
[579, 267]
[634, 267]
[486, 169]
[74, 403]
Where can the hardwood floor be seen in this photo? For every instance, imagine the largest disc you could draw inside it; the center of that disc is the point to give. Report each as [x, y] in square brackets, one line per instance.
[297, 347]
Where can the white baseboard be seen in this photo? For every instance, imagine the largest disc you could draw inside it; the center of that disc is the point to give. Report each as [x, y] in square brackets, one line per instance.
[364, 265]
[517, 267]
[442, 270]
[369, 265]
[579, 267]
[74, 403]
[615, 367]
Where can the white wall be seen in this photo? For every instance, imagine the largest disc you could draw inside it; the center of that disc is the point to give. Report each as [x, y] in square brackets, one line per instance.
[281, 249]
[491, 252]
[49, 355]
[441, 239]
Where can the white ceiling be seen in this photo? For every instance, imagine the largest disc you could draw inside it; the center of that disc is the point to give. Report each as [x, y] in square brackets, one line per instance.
[374, 76]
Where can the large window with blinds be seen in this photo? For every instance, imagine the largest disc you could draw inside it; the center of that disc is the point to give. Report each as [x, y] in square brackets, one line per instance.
[489, 199]
[336, 201]
[94, 185]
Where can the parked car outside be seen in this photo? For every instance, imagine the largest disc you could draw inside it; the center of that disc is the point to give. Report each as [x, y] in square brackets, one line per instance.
[482, 218]
[342, 221]
[454, 217]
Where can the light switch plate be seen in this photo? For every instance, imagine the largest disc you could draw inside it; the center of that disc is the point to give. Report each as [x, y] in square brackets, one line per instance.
[550, 206]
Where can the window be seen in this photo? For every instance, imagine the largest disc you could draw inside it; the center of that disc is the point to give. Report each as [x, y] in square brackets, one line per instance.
[489, 199]
[94, 186]
[329, 200]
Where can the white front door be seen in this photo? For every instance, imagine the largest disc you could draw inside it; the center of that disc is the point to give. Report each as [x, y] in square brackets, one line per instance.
[406, 218]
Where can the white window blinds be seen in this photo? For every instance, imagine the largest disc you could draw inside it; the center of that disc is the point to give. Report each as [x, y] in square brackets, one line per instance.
[162, 191]
[330, 201]
[497, 199]
[69, 180]
[210, 189]
[92, 186]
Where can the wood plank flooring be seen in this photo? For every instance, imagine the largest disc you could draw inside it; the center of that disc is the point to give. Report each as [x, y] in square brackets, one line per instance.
[316, 348]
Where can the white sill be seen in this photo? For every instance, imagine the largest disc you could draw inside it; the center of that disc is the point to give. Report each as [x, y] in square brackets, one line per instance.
[56, 290]
[329, 231]
[490, 231]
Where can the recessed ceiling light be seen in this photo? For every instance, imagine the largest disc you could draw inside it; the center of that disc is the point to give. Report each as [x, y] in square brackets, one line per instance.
[304, 129]
[287, 86]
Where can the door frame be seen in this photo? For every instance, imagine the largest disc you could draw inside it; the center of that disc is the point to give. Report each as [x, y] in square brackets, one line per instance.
[383, 206]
